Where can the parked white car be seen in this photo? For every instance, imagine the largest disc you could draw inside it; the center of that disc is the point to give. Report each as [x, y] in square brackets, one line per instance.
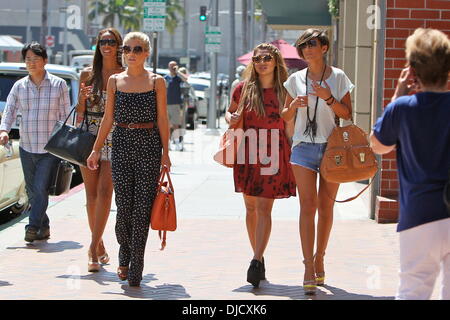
[11, 72]
[12, 183]
[81, 62]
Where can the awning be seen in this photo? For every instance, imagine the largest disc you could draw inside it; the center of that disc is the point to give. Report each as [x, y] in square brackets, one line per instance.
[296, 14]
[8, 43]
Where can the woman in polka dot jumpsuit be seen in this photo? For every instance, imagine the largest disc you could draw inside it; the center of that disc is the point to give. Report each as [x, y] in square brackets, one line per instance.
[136, 102]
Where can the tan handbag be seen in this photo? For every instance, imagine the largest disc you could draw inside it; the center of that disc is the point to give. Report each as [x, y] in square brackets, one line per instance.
[164, 215]
[348, 157]
[230, 142]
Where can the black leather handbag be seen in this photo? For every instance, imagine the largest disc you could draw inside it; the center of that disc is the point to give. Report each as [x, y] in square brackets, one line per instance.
[71, 143]
[61, 179]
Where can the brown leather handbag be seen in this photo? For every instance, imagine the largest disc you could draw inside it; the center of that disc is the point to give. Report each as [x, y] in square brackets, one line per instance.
[230, 142]
[164, 215]
[348, 157]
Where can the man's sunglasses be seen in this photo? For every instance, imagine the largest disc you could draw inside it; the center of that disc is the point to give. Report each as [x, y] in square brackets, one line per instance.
[136, 49]
[109, 42]
[309, 43]
[264, 58]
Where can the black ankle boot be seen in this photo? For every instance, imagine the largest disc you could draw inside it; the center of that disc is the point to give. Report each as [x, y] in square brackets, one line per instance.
[263, 273]
[254, 273]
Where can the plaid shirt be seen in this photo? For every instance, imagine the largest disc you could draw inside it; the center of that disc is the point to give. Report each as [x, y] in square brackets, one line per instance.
[41, 107]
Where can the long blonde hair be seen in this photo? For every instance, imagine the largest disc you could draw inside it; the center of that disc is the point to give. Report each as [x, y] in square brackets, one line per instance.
[252, 93]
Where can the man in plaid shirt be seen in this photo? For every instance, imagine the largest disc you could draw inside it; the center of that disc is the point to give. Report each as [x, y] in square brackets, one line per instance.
[42, 99]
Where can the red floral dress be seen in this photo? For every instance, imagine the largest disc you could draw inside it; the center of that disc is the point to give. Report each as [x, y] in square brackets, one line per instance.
[273, 178]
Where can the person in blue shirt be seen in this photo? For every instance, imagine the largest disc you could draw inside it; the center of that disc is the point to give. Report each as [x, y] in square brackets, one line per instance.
[175, 103]
[418, 127]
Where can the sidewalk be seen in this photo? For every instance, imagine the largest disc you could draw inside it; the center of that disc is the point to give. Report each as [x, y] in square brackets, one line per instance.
[208, 256]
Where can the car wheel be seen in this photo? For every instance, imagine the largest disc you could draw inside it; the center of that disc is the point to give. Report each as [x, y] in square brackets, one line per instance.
[19, 208]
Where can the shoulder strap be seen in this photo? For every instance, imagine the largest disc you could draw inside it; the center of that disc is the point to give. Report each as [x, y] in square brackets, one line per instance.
[351, 198]
[154, 77]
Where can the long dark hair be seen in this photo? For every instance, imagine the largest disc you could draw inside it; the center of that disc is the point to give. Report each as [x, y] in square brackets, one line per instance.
[96, 79]
[253, 91]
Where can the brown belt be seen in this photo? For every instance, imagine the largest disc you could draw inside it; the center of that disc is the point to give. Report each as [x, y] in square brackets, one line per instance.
[142, 125]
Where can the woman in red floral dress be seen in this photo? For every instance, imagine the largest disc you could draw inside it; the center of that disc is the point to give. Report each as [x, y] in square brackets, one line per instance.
[263, 172]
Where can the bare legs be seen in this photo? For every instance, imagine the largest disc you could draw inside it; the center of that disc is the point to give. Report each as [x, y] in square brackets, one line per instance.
[99, 189]
[259, 223]
[310, 202]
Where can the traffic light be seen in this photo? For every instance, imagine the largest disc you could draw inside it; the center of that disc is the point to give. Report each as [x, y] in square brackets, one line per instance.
[202, 16]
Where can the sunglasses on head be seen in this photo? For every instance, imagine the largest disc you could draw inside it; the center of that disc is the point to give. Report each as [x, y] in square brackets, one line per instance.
[109, 42]
[136, 49]
[262, 57]
[309, 43]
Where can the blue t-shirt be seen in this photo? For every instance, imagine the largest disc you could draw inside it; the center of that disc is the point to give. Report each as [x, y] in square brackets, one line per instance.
[173, 89]
[419, 126]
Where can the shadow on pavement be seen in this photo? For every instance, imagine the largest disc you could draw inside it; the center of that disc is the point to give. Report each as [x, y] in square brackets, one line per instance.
[5, 284]
[46, 247]
[296, 292]
[159, 292]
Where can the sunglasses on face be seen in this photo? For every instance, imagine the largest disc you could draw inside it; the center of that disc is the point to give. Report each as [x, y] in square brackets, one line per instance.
[263, 58]
[309, 43]
[109, 42]
[135, 50]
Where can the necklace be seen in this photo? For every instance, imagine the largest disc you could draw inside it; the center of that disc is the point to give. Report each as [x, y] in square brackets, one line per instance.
[311, 125]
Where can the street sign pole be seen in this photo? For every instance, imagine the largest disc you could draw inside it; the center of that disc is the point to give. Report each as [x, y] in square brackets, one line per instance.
[154, 22]
[155, 51]
[213, 46]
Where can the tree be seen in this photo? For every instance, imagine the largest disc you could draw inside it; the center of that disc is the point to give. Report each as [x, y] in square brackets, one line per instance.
[128, 13]
[174, 9]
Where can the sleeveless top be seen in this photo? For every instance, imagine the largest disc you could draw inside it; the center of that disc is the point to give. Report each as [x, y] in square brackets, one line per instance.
[94, 112]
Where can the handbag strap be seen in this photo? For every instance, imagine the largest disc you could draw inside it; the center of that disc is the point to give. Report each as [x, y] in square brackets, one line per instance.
[351, 198]
[164, 173]
[241, 105]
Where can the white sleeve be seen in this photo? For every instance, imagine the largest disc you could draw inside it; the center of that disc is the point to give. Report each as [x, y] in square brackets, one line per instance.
[291, 87]
[344, 85]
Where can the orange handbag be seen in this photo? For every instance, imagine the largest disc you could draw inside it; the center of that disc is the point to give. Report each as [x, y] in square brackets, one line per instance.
[164, 215]
[348, 157]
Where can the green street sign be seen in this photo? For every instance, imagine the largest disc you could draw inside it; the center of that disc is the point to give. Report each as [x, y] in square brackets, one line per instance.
[154, 15]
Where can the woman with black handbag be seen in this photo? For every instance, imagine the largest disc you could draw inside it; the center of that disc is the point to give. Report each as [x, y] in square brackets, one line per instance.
[91, 100]
[316, 95]
[136, 102]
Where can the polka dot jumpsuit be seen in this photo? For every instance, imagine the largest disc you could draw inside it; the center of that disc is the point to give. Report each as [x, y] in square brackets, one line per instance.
[136, 161]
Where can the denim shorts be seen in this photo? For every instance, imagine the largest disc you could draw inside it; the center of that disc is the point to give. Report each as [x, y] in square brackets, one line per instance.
[308, 155]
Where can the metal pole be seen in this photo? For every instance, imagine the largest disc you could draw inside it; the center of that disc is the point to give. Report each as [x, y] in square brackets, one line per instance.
[378, 94]
[155, 51]
[212, 105]
[28, 35]
[49, 50]
[232, 67]
[252, 24]
[65, 37]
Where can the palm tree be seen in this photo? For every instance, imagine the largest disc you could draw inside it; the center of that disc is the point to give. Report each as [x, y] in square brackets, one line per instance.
[128, 13]
[174, 10]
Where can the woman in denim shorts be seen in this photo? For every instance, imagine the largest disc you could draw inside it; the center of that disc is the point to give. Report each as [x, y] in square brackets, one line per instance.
[316, 96]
